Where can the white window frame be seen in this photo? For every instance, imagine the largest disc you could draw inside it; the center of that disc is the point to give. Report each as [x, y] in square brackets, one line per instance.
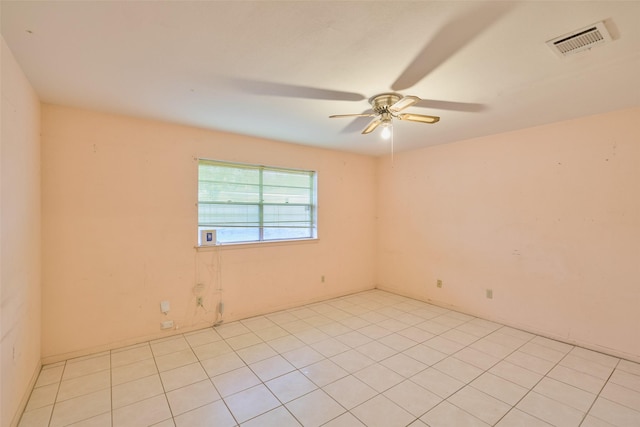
[260, 204]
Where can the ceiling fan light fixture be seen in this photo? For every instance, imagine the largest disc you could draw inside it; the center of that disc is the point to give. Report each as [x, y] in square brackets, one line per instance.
[387, 127]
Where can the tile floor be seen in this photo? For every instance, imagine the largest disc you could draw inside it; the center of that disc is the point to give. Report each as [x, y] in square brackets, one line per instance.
[369, 359]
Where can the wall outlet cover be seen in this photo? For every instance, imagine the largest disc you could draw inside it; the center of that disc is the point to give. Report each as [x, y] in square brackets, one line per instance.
[167, 324]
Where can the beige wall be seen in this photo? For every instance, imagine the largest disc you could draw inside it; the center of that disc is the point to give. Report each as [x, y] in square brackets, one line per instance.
[547, 217]
[20, 230]
[119, 229]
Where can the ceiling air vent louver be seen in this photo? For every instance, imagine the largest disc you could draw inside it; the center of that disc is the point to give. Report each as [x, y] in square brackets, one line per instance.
[580, 40]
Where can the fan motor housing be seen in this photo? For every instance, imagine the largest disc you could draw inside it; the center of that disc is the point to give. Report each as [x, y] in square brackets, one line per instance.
[383, 101]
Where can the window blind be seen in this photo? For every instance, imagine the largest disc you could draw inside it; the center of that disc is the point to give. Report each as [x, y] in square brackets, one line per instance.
[255, 203]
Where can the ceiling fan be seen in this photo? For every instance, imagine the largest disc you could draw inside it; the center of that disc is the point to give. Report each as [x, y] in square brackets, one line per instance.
[450, 38]
[386, 107]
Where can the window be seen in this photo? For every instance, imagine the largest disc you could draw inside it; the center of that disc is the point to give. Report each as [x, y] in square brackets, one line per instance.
[250, 203]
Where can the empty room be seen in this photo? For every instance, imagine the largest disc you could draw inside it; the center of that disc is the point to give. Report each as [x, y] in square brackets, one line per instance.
[320, 213]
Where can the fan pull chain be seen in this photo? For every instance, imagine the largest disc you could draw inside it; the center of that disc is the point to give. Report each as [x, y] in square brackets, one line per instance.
[392, 146]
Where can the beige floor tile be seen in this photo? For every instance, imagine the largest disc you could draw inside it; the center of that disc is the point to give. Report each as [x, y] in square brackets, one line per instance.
[243, 341]
[290, 386]
[352, 361]
[86, 366]
[591, 421]
[565, 393]
[324, 372]
[234, 381]
[37, 417]
[447, 415]
[621, 395]
[532, 362]
[444, 345]
[211, 350]
[271, 333]
[382, 412]
[257, 323]
[517, 418]
[86, 384]
[134, 371]
[345, 420]
[543, 352]
[315, 408]
[425, 354]
[303, 356]
[334, 329]
[168, 345]
[458, 369]
[311, 336]
[375, 332]
[271, 368]
[42, 396]
[614, 413]
[285, 344]
[578, 379]
[403, 365]
[102, 420]
[330, 347]
[202, 337]
[480, 405]
[131, 355]
[595, 356]
[456, 335]
[251, 403]
[229, 330]
[214, 414]
[587, 366]
[81, 408]
[183, 376]
[175, 360]
[165, 423]
[495, 349]
[412, 398]
[143, 413]
[192, 396]
[376, 351]
[628, 366]
[516, 374]
[476, 358]
[499, 388]
[256, 353]
[354, 339]
[135, 391]
[349, 391]
[379, 377]
[626, 379]
[549, 410]
[437, 382]
[50, 376]
[278, 417]
[222, 364]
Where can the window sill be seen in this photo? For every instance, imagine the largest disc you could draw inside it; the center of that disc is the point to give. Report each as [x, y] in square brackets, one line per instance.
[246, 245]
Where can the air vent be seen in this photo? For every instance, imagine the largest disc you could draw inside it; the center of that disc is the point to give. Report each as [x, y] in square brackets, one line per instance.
[580, 40]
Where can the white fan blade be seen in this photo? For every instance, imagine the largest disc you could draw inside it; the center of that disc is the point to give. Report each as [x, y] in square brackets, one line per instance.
[405, 102]
[418, 118]
[372, 125]
[352, 115]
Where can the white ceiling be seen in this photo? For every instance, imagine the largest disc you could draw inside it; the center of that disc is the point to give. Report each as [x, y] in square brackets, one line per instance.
[278, 69]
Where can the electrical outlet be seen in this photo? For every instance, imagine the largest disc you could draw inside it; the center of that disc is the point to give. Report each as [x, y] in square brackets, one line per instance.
[199, 301]
[167, 324]
[490, 293]
[439, 283]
